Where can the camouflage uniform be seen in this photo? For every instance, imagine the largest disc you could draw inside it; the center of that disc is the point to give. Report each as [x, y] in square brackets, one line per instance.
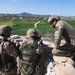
[9, 54]
[30, 57]
[63, 30]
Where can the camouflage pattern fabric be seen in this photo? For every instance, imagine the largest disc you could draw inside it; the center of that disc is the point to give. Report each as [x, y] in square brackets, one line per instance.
[51, 18]
[8, 53]
[64, 30]
[73, 41]
[65, 50]
[30, 58]
[32, 32]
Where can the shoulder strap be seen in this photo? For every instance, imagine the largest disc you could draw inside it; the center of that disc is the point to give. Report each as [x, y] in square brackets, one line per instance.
[1, 47]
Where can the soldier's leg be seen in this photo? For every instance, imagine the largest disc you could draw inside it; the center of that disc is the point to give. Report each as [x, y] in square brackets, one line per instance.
[73, 52]
[64, 50]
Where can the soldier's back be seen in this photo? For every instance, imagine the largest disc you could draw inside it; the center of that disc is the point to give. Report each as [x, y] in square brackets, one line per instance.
[8, 57]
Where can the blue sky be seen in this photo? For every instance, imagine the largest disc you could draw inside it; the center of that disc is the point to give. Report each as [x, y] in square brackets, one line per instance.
[45, 7]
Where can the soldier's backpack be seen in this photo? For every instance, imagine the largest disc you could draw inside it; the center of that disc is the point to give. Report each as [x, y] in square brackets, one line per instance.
[7, 62]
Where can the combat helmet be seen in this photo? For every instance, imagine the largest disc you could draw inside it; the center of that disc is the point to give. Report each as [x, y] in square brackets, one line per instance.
[53, 17]
[32, 33]
[4, 29]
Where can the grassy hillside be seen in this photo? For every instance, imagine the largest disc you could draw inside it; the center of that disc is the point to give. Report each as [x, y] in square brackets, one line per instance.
[43, 27]
[21, 24]
[6, 23]
[71, 22]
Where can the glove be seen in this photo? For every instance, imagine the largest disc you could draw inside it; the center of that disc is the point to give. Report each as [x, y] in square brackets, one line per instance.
[39, 51]
[57, 51]
[54, 51]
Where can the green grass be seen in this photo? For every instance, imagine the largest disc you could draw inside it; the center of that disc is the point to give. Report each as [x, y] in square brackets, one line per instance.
[21, 27]
[6, 23]
[43, 27]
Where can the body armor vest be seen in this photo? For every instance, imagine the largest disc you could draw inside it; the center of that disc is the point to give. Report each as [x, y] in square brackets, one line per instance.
[29, 57]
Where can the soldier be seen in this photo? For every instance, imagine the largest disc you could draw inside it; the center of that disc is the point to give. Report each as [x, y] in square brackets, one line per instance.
[10, 56]
[30, 64]
[65, 31]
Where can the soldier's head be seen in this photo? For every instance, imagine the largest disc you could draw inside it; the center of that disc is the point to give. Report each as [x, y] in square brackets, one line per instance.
[5, 30]
[32, 33]
[52, 20]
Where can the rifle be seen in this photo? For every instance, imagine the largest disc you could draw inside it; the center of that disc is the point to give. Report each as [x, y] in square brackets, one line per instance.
[40, 49]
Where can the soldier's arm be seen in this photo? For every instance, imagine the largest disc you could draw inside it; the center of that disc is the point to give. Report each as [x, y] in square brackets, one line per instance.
[18, 61]
[15, 52]
[19, 64]
[18, 57]
[58, 35]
